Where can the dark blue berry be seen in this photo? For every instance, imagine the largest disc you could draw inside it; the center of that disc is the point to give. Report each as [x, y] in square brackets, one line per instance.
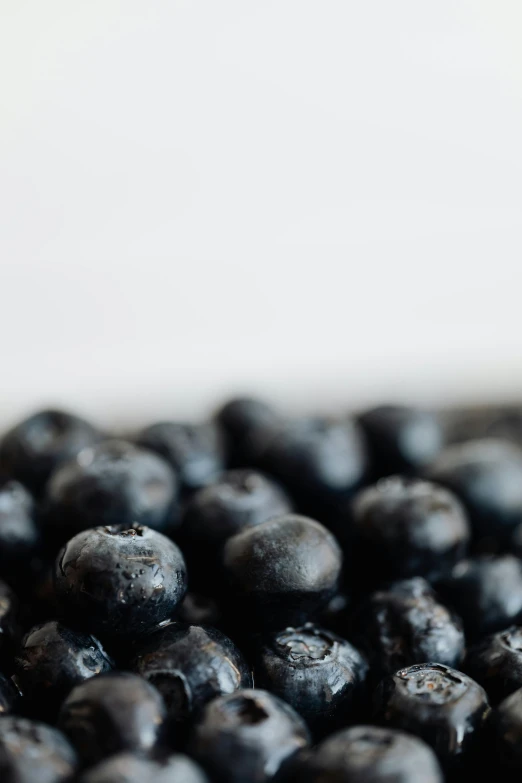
[190, 666]
[406, 527]
[34, 753]
[128, 768]
[247, 426]
[486, 592]
[9, 695]
[35, 447]
[506, 731]
[483, 421]
[52, 660]
[401, 439]
[496, 663]
[112, 713]
[405, 624]
[114, 483]
[240, 499]
[19, 535]
[366, 754]
[194, 451]
[444, 707]
[247, 736]
[283, 571]
[321, 461]
[487, 477]
[319, 674]
[118, 581]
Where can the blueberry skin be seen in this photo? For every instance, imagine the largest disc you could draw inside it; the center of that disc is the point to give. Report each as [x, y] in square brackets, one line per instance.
[487, 477]
[315, 671]
[112, 713]
[36, 446]
[506, 731]
[367, 754]
[321, 461]
[8, 695]
[113, 483]
[406, 527]
[247, 425]
[19, 535]
[119, 582]
[190, 666]
[486, 592]
[239, 500]
[282, 571]
[405, 624]
[32, 752]
[52, 660]
[246, 736]
[496, 663]
[194, 451]
[9, 623]
[401, 439]
[483, 421]
[128, 768]
[443, 706]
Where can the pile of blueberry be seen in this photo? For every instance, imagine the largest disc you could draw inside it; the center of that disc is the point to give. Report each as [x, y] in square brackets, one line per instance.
[262, 598]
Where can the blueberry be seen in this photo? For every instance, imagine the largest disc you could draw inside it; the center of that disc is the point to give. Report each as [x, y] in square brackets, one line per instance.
[247, 425]
[114, 483]
[19, 535]
[401, 439]
[112, 713]
[487, 477]
[319, 674]
[486, 592]
[239, 500]
[496, 663]
[52, 660]
[405, 624]
[34, 753]
[197, 609]
[9, 622]
[128, 768]
[506, 730]
[406, 527]
[35, 447]
[282, 571]
[367, 754]
[190, 666]
[444, 707]
[194, 451]
[246, 736]
[484, 421]
[118, 581]
[8, 695]
[321, 461]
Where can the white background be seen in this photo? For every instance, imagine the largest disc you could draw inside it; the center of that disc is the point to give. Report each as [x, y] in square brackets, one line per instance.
[321, 200]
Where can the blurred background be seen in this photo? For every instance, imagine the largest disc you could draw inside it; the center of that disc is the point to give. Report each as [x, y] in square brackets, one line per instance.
[320, 202]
